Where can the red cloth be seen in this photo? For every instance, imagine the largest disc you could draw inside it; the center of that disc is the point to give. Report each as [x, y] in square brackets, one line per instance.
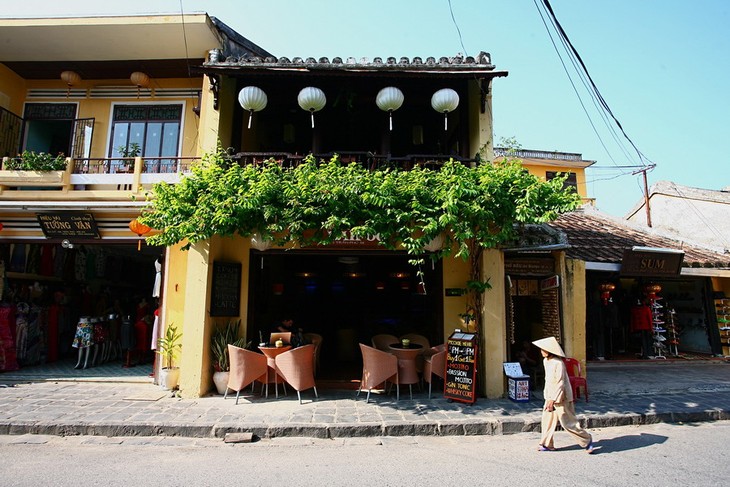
[641, 318]
[140, 332]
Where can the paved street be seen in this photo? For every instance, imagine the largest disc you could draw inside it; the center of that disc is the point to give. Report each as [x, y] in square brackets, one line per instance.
[647, 455]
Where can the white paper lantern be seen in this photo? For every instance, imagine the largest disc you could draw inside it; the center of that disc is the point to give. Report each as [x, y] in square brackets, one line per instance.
[389, 99]
[252, 99]
[311, 99]
[260, 243]
[444, 101]
[435, 244]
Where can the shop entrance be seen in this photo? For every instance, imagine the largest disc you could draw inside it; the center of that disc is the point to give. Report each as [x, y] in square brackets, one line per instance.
[345, 297]
[49, 287]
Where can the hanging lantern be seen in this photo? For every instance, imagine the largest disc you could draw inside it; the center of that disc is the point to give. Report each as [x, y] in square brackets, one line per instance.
[1, 226]
[140, 229]
[70, 78]
[435, 244]
[312, 99]
[606, 289]
[444, 101]
[652, 289]
[252, 99]
[260, 243]
[389, 99]
[140, 80]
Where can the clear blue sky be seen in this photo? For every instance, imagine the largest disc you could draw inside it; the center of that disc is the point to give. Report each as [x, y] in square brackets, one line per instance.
[662, 67]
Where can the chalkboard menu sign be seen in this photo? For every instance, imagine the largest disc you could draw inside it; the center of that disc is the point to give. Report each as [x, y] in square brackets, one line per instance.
[225, 298]
[461, 361]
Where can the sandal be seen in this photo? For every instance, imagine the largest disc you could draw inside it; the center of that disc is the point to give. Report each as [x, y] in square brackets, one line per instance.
[544, 448]
[590, 449]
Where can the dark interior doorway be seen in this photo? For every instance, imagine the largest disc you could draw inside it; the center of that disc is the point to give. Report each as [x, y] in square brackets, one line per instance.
[345, 297]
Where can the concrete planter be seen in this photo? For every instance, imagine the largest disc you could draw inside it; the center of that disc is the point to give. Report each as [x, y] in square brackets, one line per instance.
[220, 379]
[31, 178]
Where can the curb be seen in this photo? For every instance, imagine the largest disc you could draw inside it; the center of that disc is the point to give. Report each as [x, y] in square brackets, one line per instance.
[497, 427]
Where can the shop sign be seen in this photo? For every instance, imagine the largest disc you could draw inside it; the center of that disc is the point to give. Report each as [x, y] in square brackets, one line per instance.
[461, 358]
[550, 283]
[225, 296]
[529, 267]
[455, 291]
[68, 224]
[651, 263]
[348, 241]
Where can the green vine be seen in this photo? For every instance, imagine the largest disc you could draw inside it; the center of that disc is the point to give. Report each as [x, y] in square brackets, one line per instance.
[316, 201]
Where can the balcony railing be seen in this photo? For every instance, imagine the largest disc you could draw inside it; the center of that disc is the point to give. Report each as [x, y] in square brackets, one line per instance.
[366, 159]
[106, 177]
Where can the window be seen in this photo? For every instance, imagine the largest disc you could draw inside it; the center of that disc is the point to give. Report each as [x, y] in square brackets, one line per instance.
[571, 181]
[154, 128]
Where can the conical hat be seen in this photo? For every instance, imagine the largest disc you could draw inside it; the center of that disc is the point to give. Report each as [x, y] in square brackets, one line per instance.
[550, 344]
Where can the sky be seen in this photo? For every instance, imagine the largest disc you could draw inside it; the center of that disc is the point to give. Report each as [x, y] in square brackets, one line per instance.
[661, 66]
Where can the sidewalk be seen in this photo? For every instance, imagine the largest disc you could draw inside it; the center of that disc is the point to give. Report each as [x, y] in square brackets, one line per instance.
[133, 406]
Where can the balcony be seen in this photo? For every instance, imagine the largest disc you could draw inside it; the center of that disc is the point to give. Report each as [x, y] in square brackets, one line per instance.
[94, 178]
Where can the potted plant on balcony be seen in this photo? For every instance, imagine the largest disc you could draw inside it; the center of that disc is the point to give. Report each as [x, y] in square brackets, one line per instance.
[33, 168]
[222, 337]
[129, 153]
[169, 347]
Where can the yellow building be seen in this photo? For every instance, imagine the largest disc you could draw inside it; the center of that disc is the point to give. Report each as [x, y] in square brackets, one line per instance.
[93, 88]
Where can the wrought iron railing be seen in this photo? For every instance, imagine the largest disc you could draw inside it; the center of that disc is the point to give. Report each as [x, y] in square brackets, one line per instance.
[366, 159]
[536, 154]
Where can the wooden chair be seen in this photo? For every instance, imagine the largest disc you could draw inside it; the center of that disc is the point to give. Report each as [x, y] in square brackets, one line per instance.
[296, 366]
[247, 367]
[284, 335]
[434, 364]
[382, 341]
[316, 340]
[576, 378]
[378, 367]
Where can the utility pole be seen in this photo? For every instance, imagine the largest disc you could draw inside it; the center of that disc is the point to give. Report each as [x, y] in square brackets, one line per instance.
[646, 192]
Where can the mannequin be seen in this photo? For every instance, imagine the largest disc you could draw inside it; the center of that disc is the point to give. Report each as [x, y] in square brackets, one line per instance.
[83, 340]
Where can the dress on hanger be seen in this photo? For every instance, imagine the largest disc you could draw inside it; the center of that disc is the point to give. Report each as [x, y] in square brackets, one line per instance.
[158, 279]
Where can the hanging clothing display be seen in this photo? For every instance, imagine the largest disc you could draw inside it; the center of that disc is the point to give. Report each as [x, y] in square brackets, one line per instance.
[158, 279]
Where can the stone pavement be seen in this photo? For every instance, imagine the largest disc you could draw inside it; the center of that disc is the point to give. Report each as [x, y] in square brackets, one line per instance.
[620, 394]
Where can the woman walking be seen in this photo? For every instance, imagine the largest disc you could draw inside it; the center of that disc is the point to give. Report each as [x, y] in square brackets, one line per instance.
[559, 406]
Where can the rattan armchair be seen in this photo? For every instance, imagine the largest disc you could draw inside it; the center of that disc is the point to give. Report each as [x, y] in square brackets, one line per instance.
[296, 366]
[247, 367]
[378, 368]
[434, 364]
[382, 341]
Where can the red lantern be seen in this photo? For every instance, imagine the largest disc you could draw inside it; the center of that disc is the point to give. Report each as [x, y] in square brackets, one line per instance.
[606, 289]
[652, 290]
[140, 229]
[1, 226]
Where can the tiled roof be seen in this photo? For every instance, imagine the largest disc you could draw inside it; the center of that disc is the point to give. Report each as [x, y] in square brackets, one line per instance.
[596, 238]
[453, 65]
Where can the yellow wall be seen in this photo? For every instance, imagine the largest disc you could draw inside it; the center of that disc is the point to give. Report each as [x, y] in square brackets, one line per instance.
[573, 302]
[13, 87]
[541, 170]
[100, 108]
[196, 372]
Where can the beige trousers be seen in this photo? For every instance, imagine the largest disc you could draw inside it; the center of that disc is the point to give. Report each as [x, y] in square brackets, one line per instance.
[565, 414]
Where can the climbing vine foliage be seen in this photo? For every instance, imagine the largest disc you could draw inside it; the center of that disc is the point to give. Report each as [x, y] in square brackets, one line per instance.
[316, 201]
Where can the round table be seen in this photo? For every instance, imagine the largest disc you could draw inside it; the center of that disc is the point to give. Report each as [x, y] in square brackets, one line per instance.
[273, 376]
[407, 371]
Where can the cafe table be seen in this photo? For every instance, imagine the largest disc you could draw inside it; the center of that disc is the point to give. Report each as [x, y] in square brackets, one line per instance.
[407, 371]
[273, 375]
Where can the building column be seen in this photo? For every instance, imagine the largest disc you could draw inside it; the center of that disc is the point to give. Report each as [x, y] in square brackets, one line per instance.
[573, 300]
[194, 380]
[494, 325]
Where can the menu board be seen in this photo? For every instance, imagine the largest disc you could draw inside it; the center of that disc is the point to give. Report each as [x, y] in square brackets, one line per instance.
[225, 296]
[461, 359]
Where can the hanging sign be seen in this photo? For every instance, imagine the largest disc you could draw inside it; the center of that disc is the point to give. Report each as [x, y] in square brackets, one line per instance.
[461, 360]
[68, 224]
[656, 263]
[225, 296]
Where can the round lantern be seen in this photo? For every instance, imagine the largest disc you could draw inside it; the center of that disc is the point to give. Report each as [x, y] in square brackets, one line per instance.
[260, 243]
[140, 229]
[252, 99]
[70, 78]
[652, 290]
[606, 289]
[389, 99]
[444, 101]
[140, 80]
[435, 244]
[1, 226]
[311, 99]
